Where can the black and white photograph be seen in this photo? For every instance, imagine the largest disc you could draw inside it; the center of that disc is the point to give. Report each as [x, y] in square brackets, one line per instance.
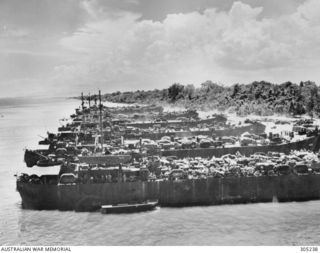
[159, 123]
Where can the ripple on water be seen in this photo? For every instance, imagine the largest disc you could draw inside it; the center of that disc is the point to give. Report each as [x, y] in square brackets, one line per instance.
[252, 224]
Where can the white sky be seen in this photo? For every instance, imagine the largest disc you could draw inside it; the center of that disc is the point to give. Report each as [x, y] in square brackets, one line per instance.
[63, 47]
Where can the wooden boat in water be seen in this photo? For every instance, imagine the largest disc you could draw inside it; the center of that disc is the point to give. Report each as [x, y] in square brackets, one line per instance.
[129, 208]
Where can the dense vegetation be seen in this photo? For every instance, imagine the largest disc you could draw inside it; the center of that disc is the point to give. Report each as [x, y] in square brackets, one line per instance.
[260, 98]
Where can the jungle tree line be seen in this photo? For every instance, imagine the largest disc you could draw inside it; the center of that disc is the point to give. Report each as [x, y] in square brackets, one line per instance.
[261, 98]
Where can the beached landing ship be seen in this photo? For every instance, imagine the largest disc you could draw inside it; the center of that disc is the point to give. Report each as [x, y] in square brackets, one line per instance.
[64, 144]
[87, 189]
[184, 148]
[211, 191]
[53, 187]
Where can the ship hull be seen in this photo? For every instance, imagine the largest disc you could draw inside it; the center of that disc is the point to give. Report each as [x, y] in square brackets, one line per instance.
[38, 196]
[145, 125]
[255, 128]
[311, 143]
[210, 191]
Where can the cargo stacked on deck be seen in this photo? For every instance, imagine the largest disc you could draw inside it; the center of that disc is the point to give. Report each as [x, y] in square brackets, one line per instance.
[227, 180]
[96, 143]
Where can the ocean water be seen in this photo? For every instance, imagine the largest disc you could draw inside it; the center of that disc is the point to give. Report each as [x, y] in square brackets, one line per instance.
[22, 120]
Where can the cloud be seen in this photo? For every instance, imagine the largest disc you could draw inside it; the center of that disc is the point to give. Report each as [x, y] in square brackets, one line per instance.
[238, 45]
[42, 17]
[113, 49]
[310, 12]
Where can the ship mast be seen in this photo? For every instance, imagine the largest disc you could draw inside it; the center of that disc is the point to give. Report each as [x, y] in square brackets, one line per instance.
[101, 125]
[82, 102]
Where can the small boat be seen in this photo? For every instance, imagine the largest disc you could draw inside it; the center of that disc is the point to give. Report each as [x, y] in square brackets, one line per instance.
[129, 208]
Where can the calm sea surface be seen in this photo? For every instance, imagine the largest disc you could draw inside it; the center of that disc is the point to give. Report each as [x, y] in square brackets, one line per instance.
[21, 121]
